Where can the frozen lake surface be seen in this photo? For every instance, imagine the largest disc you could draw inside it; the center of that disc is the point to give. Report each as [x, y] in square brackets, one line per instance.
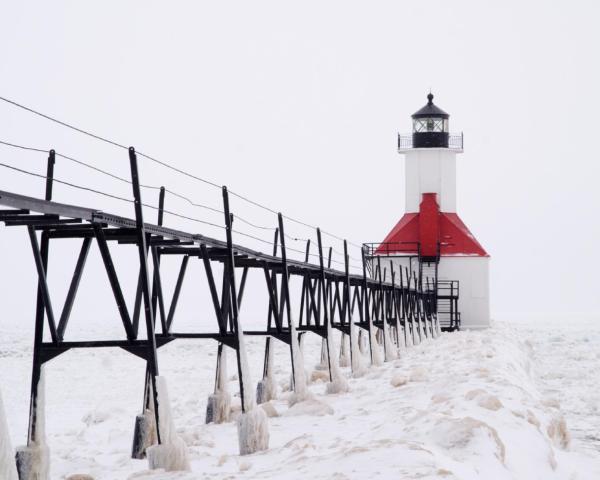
[517, 401]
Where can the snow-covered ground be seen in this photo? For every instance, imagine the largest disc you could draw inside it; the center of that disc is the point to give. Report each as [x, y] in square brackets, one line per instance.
[519, 400]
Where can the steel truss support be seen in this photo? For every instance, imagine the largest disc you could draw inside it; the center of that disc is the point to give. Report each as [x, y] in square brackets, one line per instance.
[152, 358]
[329, 299]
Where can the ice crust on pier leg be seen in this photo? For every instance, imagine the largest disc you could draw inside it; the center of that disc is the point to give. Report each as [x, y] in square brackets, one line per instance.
[301, 391]
[338, 383]
[416, 335]
[409, 334]
[253, 431]
[144, 434]
[344, 351]
[323, 364]
[401, 340]
[253, 424]
[171, 454]
[218, 407]
[390, 349]
[376, 354]
[358, 368]
[33, 460]
[8, 469]
[266, 389]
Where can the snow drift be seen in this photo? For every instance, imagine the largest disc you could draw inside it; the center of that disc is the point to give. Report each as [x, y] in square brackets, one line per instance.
[505, 403]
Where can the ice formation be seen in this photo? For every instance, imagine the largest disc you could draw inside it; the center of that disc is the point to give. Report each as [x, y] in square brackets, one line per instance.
[8, 468]
[437, 326]
[253, 425]
[408, 335]
[301, 392]
[344, 351]
[171, 454]
[389, 347]
[416, 333]
[400, 339]
[253, 431]
[33, 460]
[323, 362]
[376, 355]
[219, 402]
[145, 433]
[357, 367]
[266, 390]
[338, 383]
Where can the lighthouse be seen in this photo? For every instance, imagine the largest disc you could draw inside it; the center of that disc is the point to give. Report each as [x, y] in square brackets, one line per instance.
[430, 243]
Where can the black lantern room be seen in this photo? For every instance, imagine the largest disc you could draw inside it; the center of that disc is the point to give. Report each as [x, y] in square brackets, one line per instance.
[430, 126]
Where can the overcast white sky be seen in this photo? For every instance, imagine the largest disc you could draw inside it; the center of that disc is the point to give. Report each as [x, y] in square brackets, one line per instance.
[297, 105]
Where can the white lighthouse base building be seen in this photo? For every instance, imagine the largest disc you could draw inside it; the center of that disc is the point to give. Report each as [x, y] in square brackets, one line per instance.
[470, 280]
[473, 274]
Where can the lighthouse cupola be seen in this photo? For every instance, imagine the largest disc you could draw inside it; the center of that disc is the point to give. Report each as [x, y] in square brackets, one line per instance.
[430, 126]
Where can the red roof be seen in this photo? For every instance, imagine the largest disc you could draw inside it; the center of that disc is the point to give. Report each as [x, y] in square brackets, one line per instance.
[454, 236]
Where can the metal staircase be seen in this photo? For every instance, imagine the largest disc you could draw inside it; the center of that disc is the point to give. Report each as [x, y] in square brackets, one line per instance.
[447, 293]
[447, 304]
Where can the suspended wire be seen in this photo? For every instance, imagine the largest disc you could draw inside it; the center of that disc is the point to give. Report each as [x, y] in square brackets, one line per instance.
[252, 236]
[296, 239]
[291, 219]
[175, 169]
[80, 187]
[260, 227]
[179, 215]
[349, 256]
[153, 207]
[116, 197]
[106, 140]
[23, 147]
[122, 179]
[193, 203]
[164, 164]
[154, 187]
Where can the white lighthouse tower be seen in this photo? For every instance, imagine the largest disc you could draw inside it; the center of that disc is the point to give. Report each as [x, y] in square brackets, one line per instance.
[430, 240]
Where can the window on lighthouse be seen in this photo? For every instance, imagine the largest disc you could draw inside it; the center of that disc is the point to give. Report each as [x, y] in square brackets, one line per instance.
[430, 125]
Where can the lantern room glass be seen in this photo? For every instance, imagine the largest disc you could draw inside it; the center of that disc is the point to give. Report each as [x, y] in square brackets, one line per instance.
[430, 124]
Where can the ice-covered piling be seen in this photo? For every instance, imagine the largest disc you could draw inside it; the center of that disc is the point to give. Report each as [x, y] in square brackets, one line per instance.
[391, 352]
[266, 389]
[171, 454]
[338, 383]
[344, 351]
[253, 431]
[218, 407]
[252, 424]
[356, 356]
[8, 470]
[33, 460]
[144, 435]
[438, 328]
[408, 334]
[400, 339]
[376, 355]
[416, 333]
[323, 362]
